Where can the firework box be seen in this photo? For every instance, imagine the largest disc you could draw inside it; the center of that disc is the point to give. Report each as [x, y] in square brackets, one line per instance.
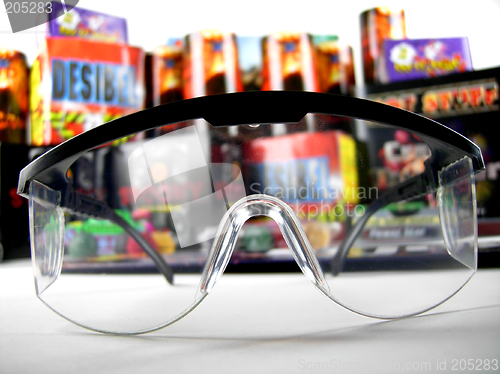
[78, 84]
[14, 97]
[167, 74]
[304, 168]
[210, 64]
[377, 25]
[86, 24]
[315, 173]
[424, 58]
[288, 62]
[334, 65]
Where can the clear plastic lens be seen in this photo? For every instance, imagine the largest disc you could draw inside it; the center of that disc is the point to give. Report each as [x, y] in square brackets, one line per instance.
[175, 191]
[167, 191]
[406, 259]
[417, 253]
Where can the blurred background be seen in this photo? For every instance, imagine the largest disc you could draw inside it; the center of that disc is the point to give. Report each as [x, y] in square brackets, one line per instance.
[361, 48]
[152, 23]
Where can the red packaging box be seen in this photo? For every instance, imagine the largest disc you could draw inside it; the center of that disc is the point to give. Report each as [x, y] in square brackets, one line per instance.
[78, 84]
[315, 173]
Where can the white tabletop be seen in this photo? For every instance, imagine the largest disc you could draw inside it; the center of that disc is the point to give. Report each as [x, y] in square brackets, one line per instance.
[255, 323]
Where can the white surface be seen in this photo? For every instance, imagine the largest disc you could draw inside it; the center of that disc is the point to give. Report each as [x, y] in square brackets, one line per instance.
[262, 323]
[152, 22]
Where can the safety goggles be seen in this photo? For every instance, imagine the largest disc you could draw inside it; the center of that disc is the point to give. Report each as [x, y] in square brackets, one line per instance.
[376, 205]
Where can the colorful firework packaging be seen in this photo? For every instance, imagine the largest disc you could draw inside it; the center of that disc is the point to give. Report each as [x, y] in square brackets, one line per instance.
[86, 24]
[78, 84]
[13, 96]
[424, 58]
[315, 173]
[210, 64]
[377, 25]
[288, 62]
[335, 66]
[167, 74]
[210, 67]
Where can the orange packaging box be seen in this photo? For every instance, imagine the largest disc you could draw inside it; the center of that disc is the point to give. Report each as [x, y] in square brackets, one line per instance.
[210, 64]
[13, 96]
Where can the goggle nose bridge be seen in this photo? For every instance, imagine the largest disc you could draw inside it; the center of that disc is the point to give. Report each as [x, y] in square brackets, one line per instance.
[289, 225]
